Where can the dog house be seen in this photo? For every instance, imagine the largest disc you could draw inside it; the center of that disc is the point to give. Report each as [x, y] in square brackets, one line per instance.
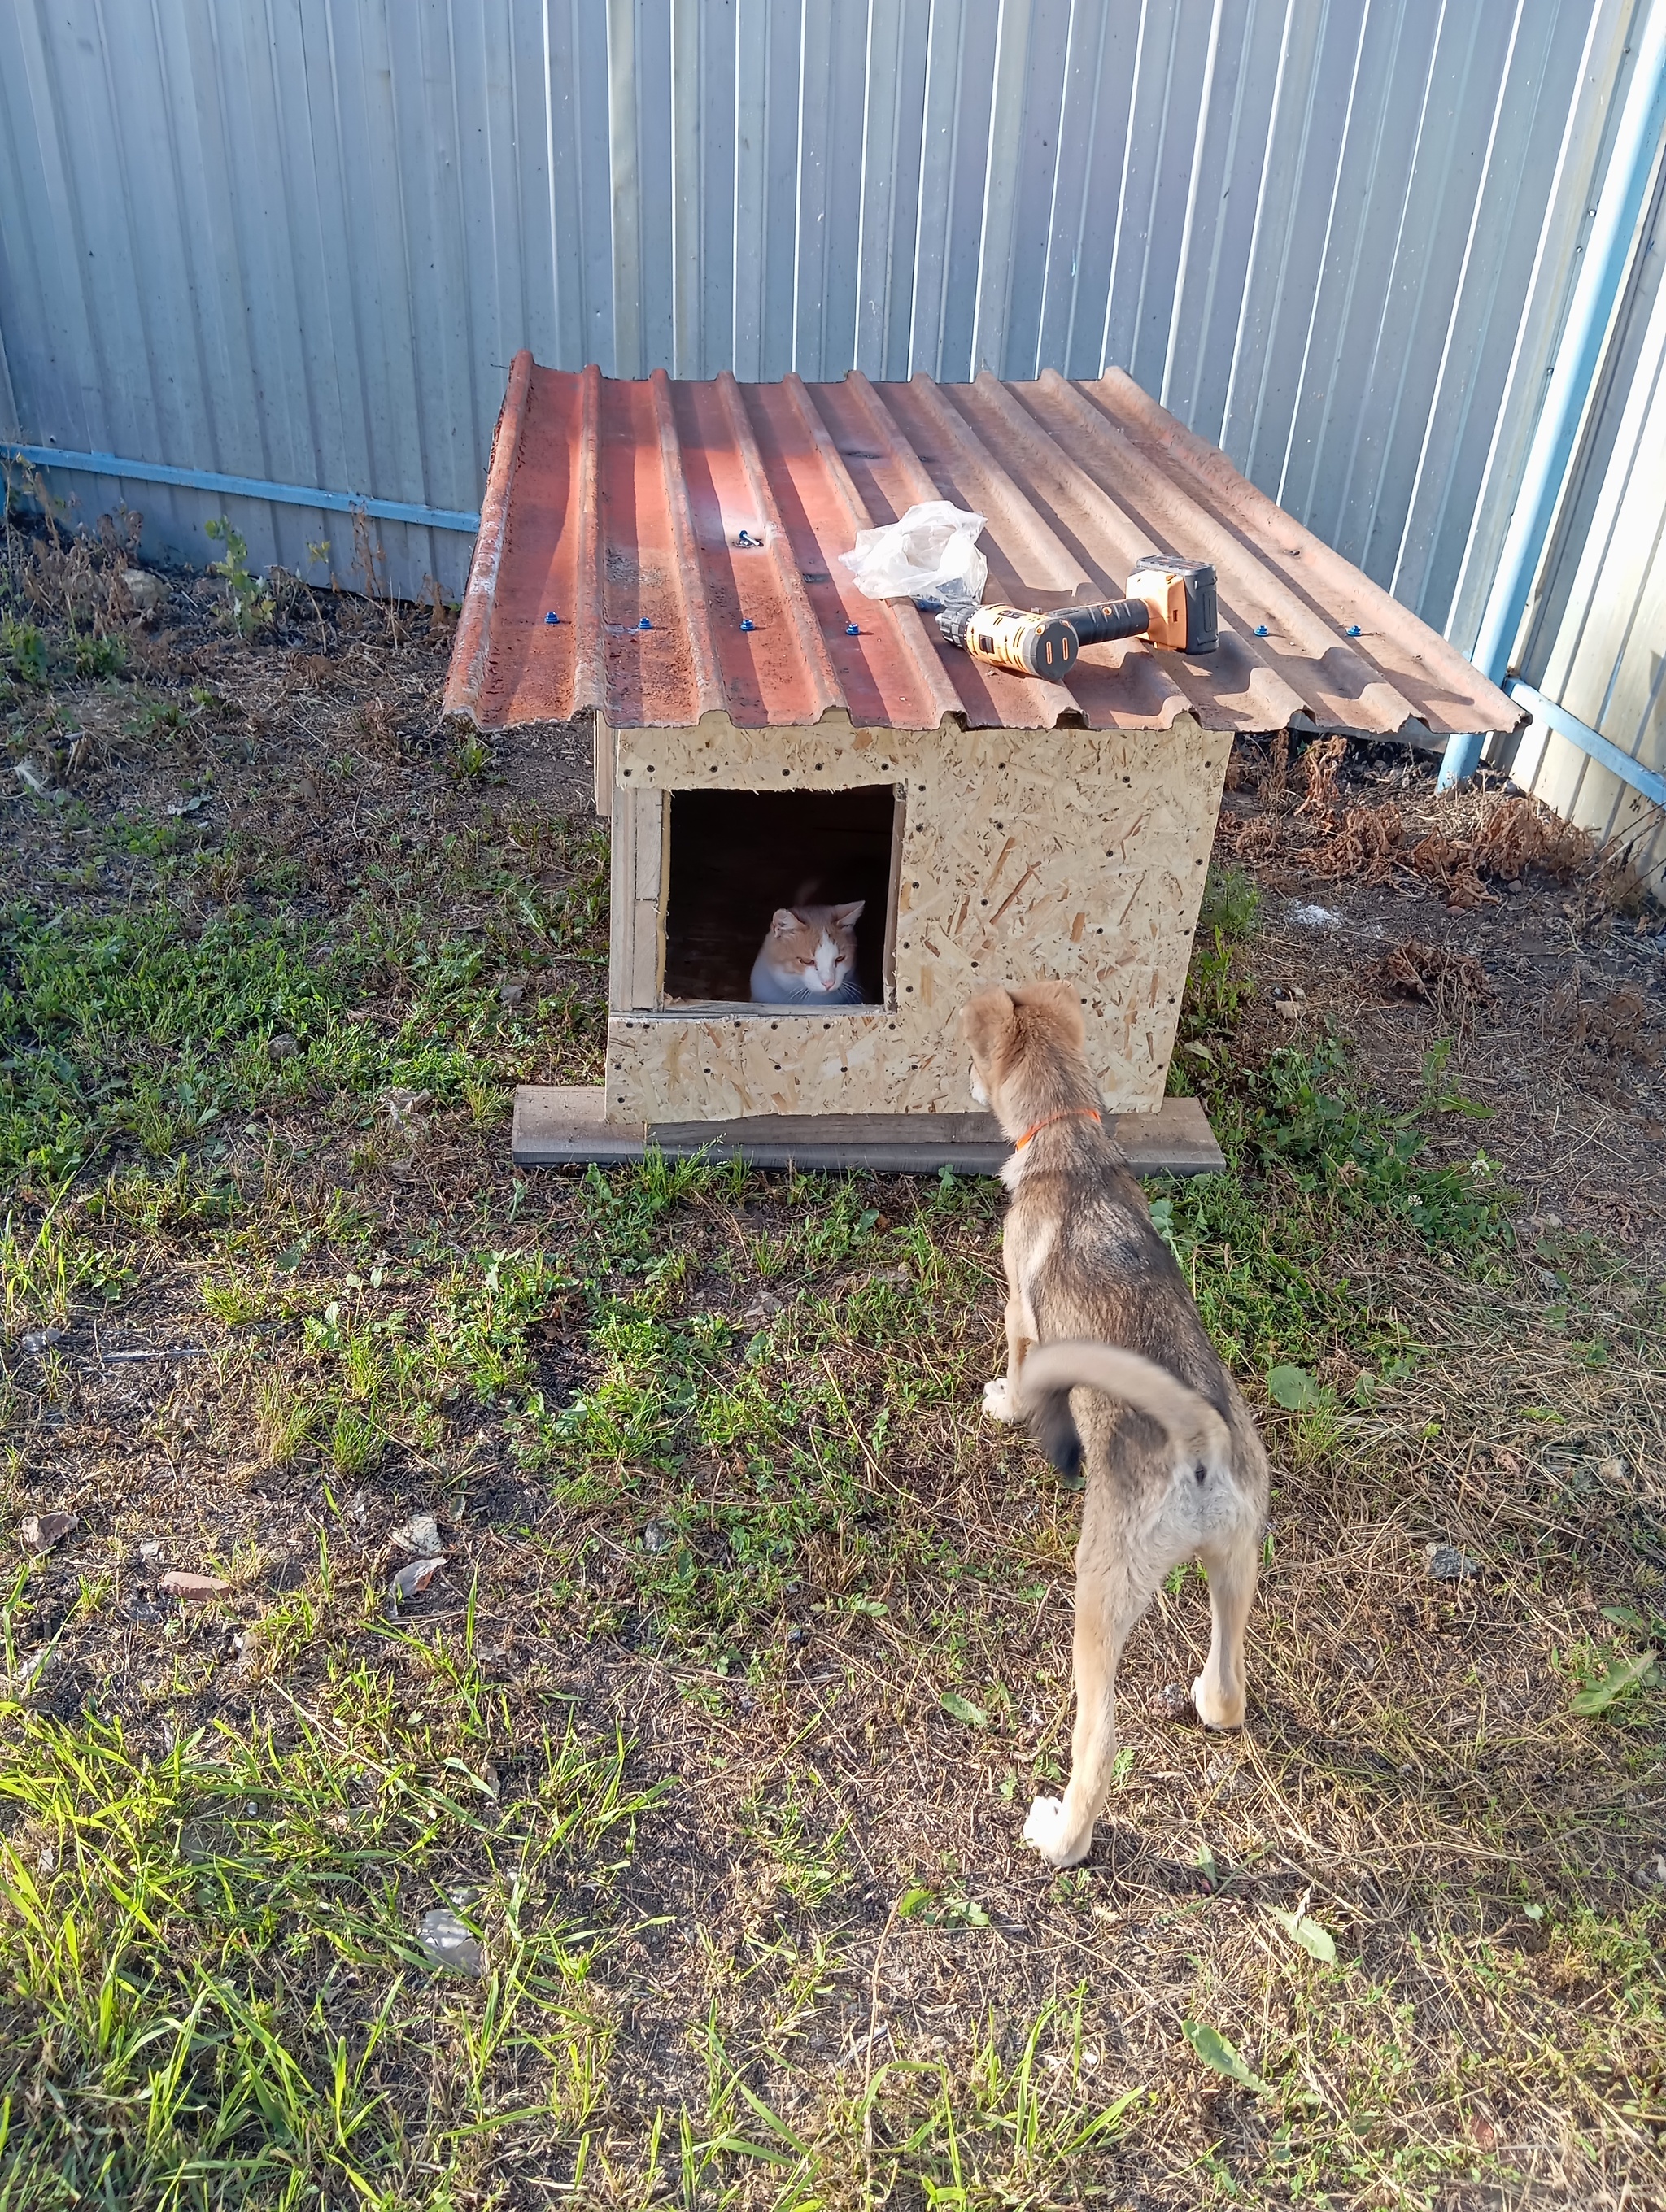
[664, 557]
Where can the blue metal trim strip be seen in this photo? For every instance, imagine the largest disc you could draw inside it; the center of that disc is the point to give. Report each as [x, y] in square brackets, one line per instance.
[340, 502]
[1591, 741]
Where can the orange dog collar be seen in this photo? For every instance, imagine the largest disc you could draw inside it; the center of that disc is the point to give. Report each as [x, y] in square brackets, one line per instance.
[1068, 1114]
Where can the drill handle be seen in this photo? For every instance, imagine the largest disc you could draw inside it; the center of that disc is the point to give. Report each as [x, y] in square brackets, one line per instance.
[1109, 618]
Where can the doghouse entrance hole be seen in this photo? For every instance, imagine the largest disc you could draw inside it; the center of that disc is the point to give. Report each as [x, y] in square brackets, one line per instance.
[737, 855]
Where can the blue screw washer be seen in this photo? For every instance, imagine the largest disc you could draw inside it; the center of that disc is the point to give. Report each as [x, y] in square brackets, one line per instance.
[645, 623]
[851, 630]
[746, 623]
[552, 617]
[1354, 629]
[1260, 629]
[747, 538]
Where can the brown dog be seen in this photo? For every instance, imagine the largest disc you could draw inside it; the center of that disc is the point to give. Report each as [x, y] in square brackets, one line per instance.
[1175, 1469]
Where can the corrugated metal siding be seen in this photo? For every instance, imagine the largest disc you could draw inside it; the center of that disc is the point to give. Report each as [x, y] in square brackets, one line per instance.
[1596, 643]
[303, 242]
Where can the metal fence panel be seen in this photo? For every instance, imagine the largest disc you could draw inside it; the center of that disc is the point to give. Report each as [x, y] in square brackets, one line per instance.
[301, 243]
[1595, 644]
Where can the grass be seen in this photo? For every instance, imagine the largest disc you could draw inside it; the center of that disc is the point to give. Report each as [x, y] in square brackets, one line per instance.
[210, 1950]
[717, 1728]
[130, 1024]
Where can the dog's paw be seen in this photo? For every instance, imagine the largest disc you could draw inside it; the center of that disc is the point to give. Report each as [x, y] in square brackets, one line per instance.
[1214, 1708]
[997, 1400]
[1046, 1828]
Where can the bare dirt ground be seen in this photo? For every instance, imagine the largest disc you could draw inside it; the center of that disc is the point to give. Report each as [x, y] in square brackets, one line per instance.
[715, 1731]
[1558, 1026]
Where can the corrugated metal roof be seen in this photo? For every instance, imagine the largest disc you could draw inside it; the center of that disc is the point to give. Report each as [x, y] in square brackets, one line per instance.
[619, 508]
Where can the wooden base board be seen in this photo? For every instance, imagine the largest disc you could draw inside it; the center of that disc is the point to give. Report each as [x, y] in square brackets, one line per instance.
[568, 1126]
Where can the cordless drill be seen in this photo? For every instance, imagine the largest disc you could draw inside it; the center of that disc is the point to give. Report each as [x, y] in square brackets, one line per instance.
[1172, 603]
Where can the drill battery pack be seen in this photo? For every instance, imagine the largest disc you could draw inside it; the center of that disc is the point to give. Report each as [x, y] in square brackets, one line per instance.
[1172, 603]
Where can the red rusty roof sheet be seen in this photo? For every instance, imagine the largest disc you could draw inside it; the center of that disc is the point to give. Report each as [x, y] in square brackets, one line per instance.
[608, 503]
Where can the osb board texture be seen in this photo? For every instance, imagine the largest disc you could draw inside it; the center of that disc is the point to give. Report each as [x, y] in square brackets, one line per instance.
[1075, 854]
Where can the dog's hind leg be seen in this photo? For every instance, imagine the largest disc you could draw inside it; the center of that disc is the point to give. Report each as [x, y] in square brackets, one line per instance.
[1110, 1601]
[1232, 1562]
[1000, 1394]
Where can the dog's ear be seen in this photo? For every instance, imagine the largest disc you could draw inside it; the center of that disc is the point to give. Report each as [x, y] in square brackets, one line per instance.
[985, 1022]
[1060, 1009]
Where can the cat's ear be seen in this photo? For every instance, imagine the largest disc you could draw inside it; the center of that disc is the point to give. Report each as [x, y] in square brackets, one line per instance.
[784, 922]
[852, 911]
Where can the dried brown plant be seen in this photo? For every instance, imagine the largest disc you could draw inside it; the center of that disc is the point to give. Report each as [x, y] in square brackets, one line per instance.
[1447, 863]
[1364, 843]
[1320, 765]
[1448, 982]
[1518, 834]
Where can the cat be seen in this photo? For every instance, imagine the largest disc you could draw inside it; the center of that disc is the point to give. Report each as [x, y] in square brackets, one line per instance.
[809, 957]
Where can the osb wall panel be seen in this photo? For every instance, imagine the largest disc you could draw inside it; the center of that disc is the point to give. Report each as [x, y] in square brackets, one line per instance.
[1075, 853]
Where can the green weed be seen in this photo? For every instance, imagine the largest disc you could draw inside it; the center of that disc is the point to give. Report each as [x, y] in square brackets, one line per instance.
[355, 1443]
[1017, 2119]
[1218, 984]
[236, 1302]
[249, 606]
[1309, 1164]
[42, 1271]
[98, 656]
[25, 650]
[1231, 904]
[1305, 1118]
[807, 1853]
[129, 1025]
[473, 757]
[284, 1421]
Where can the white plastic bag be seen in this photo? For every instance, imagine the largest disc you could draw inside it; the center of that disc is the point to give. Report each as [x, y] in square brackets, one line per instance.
[931, 554]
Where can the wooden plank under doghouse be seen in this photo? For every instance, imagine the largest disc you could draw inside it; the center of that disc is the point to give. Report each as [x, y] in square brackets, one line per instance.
[568, 1126]
[665, 558]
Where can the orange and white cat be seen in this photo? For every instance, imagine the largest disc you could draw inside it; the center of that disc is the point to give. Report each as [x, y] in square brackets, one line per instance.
[809, 957]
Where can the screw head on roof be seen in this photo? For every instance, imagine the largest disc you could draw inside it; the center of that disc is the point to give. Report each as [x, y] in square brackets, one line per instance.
[747, 538]
[1354, 629]
[746, 623]
[851, 630]
[552, 616]
[645, 623]
[1260, 629]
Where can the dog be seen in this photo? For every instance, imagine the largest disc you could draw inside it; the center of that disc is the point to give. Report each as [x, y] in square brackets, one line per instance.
[1096, 1306]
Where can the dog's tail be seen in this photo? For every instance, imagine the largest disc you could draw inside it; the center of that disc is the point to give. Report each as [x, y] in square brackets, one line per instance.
[1051, 1371]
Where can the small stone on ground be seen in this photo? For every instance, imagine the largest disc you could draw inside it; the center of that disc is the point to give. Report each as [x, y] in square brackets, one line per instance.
[1445, 1563]
[40, 1531]
[448, 1943]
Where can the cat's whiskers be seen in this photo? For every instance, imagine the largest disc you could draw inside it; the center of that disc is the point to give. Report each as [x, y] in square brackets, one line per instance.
[810, 953]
